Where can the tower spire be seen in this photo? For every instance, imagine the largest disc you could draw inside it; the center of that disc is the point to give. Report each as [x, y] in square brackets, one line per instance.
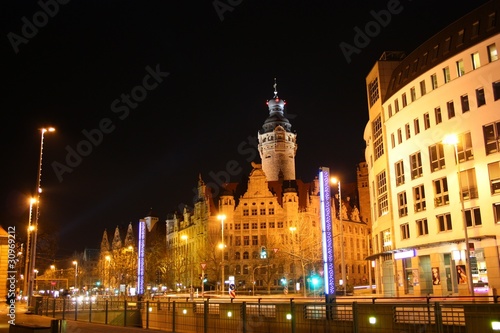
[275, 86]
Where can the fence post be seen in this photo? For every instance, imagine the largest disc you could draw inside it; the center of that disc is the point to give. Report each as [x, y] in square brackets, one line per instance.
[76, 309]
[355, 317]
[53, 307]
[90, 309]
[173, 317]
[147, 314]
[106, 313]
[64, 308]
[125, 313]
[292, 312]
[244, 317]
[438, 317]
[205, 316]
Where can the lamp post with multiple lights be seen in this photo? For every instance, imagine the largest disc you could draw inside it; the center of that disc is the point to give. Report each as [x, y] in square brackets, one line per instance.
[222, 217]
[452, 139]
[37, 215]
[342, 260]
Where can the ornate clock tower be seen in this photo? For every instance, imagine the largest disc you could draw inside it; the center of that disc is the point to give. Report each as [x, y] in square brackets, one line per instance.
[277, 143]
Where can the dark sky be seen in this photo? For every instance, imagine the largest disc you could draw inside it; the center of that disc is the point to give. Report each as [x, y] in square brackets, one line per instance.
[75, 68]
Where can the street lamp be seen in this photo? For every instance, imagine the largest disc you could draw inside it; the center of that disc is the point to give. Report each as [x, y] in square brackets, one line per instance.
[452, 139]
[292, 230]
[222, 217]
[108, 260]
[52, 274]
[76, 274]
[188, 265]
[336, 181]
[27, 251]
[37, 212]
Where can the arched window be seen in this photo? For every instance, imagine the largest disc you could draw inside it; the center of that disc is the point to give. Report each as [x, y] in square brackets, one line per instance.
[237, 256]
[245, 255]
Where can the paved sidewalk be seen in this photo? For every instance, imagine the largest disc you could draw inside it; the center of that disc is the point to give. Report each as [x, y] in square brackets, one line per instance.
[21, 317]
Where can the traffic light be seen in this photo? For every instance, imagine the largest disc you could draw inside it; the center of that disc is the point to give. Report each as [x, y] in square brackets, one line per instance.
[199, 276]
[284, 281]
[263, 252]
[205, 278]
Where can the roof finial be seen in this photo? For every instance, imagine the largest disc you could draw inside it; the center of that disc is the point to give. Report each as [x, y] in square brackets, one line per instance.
[275, 85]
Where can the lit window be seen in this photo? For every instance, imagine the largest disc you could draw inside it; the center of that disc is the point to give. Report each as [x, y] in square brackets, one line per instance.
[492, 52]
[434, 81]
[476, 63]
[436, 156]
[446, 73]
[469, 185]
[382, 201]
[464, 147]
[460, 68]
[494, 174]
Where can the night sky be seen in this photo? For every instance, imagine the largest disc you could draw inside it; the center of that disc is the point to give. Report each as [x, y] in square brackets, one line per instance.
[154, 93]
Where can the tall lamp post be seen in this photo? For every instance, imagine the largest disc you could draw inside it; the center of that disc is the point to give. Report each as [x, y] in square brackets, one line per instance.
[292, 230]
[108, 260]
[76, 274]
[37, 213]
[452, 139]
[222, 217]
[27, 251]
[188, 266]
[342, 260]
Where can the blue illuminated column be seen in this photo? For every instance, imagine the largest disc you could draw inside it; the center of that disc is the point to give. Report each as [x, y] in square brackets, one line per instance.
[327, 233]
[140, 259]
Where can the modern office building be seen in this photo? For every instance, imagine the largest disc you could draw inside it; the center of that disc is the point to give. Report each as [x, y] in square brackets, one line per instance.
[424, 188]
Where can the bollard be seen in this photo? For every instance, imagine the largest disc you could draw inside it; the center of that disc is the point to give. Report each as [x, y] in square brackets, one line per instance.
[57, 326]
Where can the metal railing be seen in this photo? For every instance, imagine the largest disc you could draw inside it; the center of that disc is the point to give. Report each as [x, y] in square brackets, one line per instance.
[356, 315]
